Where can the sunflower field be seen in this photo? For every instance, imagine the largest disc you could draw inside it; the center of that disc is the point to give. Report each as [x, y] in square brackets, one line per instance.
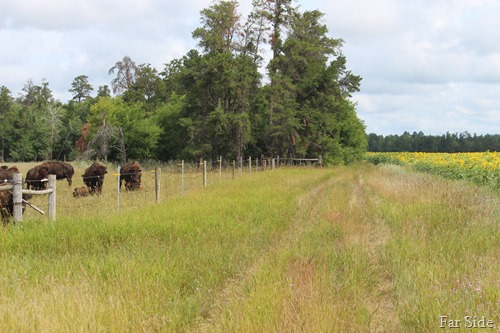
[479, 168]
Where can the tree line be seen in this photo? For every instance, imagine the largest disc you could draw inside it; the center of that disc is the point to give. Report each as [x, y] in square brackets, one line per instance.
[223, 98]
[446, 143]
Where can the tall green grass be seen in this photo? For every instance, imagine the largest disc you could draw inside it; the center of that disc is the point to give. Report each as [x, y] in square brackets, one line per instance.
[350, 249]
[444, 253]
[157, 269]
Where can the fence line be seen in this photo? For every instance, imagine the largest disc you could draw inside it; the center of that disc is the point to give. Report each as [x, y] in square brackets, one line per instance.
[158, 184]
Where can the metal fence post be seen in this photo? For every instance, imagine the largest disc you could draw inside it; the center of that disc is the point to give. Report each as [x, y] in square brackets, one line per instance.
[118, 191]
[220, 168]
[204, 173]
[157, 184]
[182, 177]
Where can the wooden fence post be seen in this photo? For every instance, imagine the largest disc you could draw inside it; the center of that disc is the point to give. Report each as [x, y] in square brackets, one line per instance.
[234, 167]
[157, 184]
[273, 162]
[17, 193]
[250, 165]
[52, 197]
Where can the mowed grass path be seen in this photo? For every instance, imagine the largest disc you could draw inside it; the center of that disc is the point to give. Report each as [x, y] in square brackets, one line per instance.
[349, 249]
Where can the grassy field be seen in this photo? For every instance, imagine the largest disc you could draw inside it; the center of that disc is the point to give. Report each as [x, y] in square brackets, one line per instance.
[349, 249]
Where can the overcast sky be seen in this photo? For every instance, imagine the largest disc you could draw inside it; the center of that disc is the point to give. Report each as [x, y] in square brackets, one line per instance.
[427, 65]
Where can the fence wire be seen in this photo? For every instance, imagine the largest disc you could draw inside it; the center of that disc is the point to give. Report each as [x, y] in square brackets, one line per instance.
[174, 180]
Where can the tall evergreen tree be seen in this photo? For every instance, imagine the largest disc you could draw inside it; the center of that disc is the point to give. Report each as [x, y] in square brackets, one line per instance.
[222, 82]
[81, 88]
[309, 94]
[277, 14]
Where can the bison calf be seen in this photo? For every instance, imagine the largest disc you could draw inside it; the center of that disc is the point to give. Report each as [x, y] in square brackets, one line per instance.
[80, 192]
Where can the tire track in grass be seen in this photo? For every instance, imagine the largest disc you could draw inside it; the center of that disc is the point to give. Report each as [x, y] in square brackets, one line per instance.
[226, 313]
[325, 274]
[373, 234]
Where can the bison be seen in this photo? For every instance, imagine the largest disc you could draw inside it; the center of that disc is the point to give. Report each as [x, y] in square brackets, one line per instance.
[62, 170]
[6, 197]
[131, 174]
[80, 192]
[7, 173]
[36, 177]
[93, 177]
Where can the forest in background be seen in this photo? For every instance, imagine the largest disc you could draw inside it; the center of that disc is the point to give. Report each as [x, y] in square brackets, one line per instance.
[224, 98]
[447, 143]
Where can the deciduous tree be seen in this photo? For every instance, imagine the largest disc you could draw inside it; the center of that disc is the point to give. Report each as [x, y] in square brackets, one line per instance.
[126, 73]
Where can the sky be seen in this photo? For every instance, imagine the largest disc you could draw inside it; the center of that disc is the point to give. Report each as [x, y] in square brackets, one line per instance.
[427, 65]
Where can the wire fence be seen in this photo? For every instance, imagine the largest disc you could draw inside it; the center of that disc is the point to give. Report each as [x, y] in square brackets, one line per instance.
[159, 182]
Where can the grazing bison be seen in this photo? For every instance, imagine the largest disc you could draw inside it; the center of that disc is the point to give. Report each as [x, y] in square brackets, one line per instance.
[80, 192]
[131, 174]
[93, 177]
[7, 173]
[6, 197]
[62, 170]
[36, 177]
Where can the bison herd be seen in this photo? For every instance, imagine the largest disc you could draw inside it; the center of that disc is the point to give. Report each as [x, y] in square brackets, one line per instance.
[37, 177]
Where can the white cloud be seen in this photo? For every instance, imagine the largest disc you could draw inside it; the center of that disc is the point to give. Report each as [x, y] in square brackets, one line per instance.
[62, 14]
[430, 65]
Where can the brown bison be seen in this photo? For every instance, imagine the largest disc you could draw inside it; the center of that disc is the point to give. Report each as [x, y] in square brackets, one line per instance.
[131, 174]
[36, 177]
[62, 170]
[6, 197]
[7, 173]
[80, 192]
[93, 177]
